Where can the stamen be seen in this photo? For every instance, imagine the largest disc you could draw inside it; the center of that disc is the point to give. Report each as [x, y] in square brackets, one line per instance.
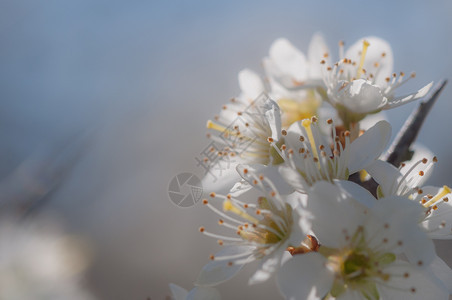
[307, 125]
[233, 257]
[446, 190]
[229, 206]
[341, 49]
[363, 57]
[220, 128]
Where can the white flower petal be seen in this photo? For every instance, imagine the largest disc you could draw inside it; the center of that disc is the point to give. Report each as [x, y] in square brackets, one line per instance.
[266, 269]
[390, 178]
[408, 98]
[357, 192]
[316, 53]
[220, 179]
[420, 152]
[328, 202]
[301, 222]
[216, 272]
[288, 59]
[305, 277]
[371, 119]
[439, 223]
[271, 70]
[417, 246]
[178, 292]
[361, 96]
[417, 286]
[293, 178]
[443, 272]
[297, 199]
[293, 134]
[273, 114]
[369, 146]
[240, 188]
[251, 84]
[386, 175]
[204, 293]
[285, 257]
[435, 227]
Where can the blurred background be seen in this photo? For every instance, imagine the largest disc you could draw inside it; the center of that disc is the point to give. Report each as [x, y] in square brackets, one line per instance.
[103, 102]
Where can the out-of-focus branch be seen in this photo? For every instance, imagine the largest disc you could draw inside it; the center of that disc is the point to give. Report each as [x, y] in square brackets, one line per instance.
[38, 177]
[400, 148]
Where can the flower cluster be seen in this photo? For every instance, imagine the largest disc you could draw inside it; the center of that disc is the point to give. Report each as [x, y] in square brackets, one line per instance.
[300, 146]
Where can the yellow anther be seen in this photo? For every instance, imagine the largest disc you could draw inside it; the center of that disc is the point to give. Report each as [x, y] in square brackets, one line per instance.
[221, 128]
[217, 127]
[363, 57]
[446, 190]
[307, 125]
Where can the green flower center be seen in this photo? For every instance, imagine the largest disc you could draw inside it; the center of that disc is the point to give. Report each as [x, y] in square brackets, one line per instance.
[357, 266]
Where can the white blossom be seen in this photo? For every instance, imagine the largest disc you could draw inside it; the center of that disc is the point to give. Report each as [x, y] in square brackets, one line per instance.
[436, 217]
[292, 79]
[241, 135]
[312, 156]
[262, 230]
[360, 251]
[363, 82]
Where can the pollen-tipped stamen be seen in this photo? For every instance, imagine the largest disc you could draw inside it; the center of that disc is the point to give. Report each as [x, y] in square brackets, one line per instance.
[363, 57]
[307, 125]
[229, 206]
[438, 197]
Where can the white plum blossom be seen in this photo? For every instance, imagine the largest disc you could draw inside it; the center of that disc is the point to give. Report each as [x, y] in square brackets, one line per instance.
[284, 195]
[404, 181]
[362, 82]
[287, 67]
[295, 104]
[262, 230]
[436, 217]
[197, 293]
[360, 251]
[312, 157]
[240, 135]
[292, 79]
